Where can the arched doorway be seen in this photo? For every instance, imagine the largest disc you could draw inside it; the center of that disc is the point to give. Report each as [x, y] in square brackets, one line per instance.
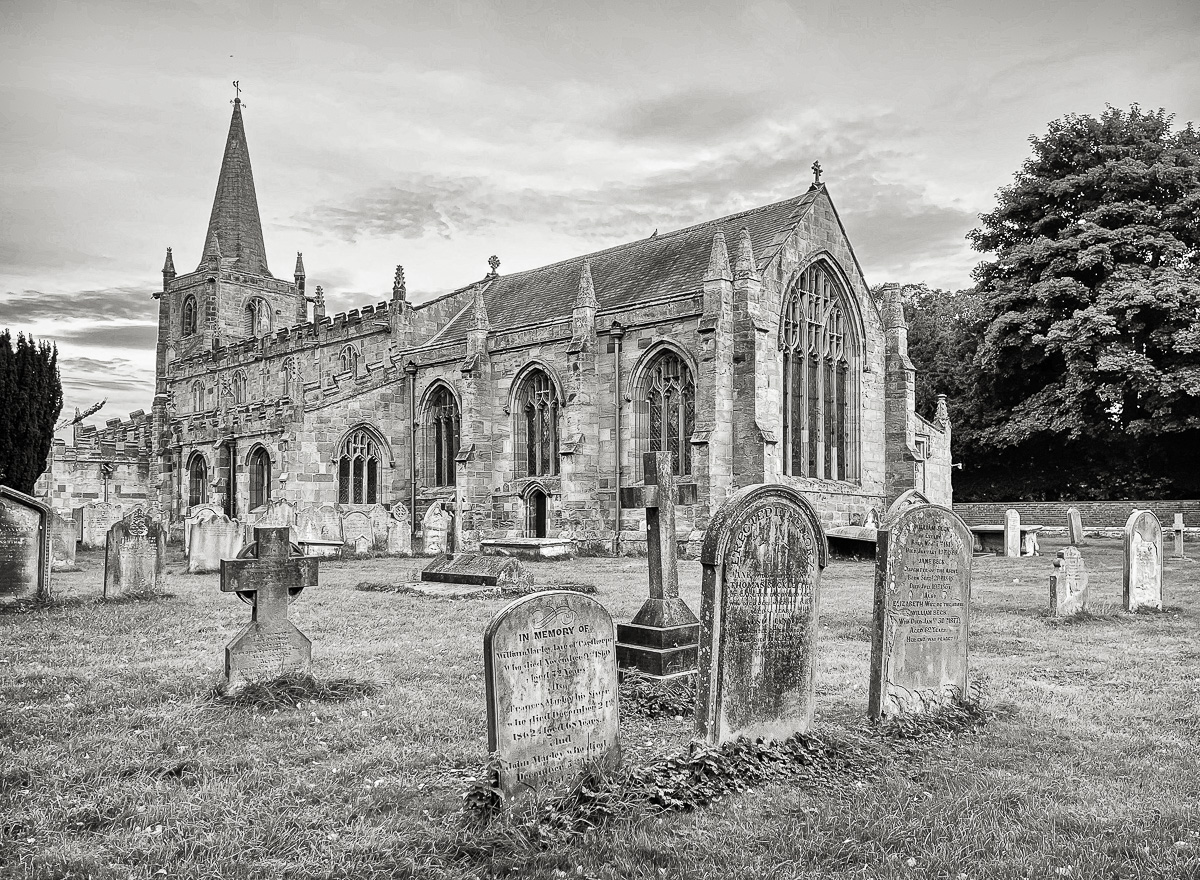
[537, 513]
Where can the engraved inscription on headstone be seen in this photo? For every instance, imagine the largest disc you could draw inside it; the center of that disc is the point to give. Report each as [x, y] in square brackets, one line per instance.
[24, 546]
[1012, 533]
[1068, 583]
[922, 604]
[550, 668]
[1142, 575]
[133, 556]
[98, 518]
[763, 552]
[267, 574]
[474, 568]
[399, 530]
[211, 541]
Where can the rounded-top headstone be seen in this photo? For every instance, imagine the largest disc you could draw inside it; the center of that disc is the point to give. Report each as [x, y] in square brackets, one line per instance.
[550, 669]
[25, 536]
[1142, 575]
[762, 553]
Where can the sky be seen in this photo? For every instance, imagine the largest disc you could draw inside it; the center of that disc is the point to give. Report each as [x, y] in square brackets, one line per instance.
[434, 135]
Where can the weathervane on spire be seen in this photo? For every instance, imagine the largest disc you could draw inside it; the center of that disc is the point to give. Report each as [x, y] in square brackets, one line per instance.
[816, 169]
[237, 92]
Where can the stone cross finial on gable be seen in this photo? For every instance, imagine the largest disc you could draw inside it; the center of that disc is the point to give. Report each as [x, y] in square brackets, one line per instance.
[270, 645]
[816, 170]
[494, 264]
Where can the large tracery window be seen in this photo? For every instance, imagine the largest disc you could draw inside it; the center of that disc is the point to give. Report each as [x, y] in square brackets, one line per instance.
[189, 316]
[818, 403]
[197, 481]
[441, 437]
[358, 468]
[669, 393]
[537, 426]
[256, 320]
[260, 478]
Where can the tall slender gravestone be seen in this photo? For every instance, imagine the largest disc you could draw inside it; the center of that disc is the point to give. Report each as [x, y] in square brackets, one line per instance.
[1012, 533]
[268, 574]
[64, 536]
[1074, 526]
[134, 556]
[1142, 576]
[1068, 584]
[662, 639]
[922, 606]
[550, 672]
[1178, 535]
[25, 534]
[762, 553]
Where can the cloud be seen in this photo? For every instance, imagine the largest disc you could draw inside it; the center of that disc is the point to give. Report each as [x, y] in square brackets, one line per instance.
[108, 304]
[686, 116]
[127, 336]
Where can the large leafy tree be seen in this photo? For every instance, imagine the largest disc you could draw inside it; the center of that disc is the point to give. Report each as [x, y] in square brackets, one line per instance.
[30, 401]
[1088, 364]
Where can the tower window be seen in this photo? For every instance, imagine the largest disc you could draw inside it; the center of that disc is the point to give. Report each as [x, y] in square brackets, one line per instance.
[260, 478]
[197, 481]
[349, 358]
[256, 319]
[189, 315]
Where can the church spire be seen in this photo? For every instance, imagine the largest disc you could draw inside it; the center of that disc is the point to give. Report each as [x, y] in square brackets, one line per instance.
[234, 219]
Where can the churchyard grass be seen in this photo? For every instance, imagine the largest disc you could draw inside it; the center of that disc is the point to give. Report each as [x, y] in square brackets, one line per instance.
[115, 761]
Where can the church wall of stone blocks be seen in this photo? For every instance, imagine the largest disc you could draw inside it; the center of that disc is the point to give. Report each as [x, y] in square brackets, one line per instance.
[749, 346]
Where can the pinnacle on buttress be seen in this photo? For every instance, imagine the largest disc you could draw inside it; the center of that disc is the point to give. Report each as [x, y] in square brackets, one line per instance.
[942, 415]
[718, 260]
[479, 314]
[234, 217]
[212, 251]
[299, 273]
[744, 265]
[399, 287]
[169, 265]
[587, 290]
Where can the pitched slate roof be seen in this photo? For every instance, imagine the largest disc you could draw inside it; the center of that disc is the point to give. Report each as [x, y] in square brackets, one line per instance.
[234, 217]
[673, 263]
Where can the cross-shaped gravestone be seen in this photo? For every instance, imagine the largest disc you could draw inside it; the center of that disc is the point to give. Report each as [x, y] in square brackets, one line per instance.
[267, 574]
[662, 638]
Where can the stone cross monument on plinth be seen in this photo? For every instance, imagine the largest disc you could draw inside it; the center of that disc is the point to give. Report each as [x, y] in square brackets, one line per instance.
[661, 640]
[267, 574]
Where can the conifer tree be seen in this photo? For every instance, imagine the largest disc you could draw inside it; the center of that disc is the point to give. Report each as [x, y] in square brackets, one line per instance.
[30, 401]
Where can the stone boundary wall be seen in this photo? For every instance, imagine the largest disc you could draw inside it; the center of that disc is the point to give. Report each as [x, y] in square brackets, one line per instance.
[1093, 514]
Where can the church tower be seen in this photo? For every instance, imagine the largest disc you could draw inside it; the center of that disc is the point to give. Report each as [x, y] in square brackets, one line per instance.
[232, 295]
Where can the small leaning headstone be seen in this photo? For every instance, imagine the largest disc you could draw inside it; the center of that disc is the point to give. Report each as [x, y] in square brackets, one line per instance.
[1068, 583]
[763, 553]
[1142, 575]
[922, 610]
[134, 556]
[268, 576]
[25, 556]
[550, 672]
[1012, 533]
[1074, 526]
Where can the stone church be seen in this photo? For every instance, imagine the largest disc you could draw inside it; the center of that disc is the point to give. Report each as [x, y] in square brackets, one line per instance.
[749, 346]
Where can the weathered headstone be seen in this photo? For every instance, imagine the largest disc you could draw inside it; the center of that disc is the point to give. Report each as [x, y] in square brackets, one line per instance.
[436, 528]
[267, 574]
[474, 568]
[25, 537]
[662, 639]
[550, 670]
[908, 498]
[1074, 526]
[1142, 575]
[1012, 533]
[1178, 535]
[134, 556]
[399, 530]
[358, 533]
[199, 513]
[1068, 583]
[211, 541]
[762, 554]
[64, 536]
[98, 518]
[922, 605]
[319, 530]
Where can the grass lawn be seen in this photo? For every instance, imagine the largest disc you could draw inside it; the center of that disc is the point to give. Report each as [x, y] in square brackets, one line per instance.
[115, 762]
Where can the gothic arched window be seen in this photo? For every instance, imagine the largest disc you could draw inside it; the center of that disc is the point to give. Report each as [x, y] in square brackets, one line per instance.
[358, 469]
[197, 397]
[819, 403]
[537, 426]
[189, 315]
[441, 437]
[256, 320]
[260, 478]
[239, 387]
[668, 409]
[197, 480]
[349, 358]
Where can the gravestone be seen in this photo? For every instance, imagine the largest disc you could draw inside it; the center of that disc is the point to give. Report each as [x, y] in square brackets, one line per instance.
[1012, 533]
[399, 531]
[437, 526]
[871, 520]
[475, 569]
[25, 537]
[64, 535]
[1074, 526]
[908, 498]
[550, 673]
[198, 513]
[762, 554]
[922, 606]
[267, 574]
[319, 530]
[275, 514]
[134, 556]
[663, 638]
[1142, 574]
[98, 518]
[358, 533]
[1178, 535]
[1068, 584]
[213, 540]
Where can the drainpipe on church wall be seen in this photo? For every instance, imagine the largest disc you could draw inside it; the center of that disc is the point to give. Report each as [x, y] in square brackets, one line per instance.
[616, 332]
[410, 370]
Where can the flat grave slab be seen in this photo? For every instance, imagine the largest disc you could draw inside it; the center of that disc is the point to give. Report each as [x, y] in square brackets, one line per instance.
[473, 568]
